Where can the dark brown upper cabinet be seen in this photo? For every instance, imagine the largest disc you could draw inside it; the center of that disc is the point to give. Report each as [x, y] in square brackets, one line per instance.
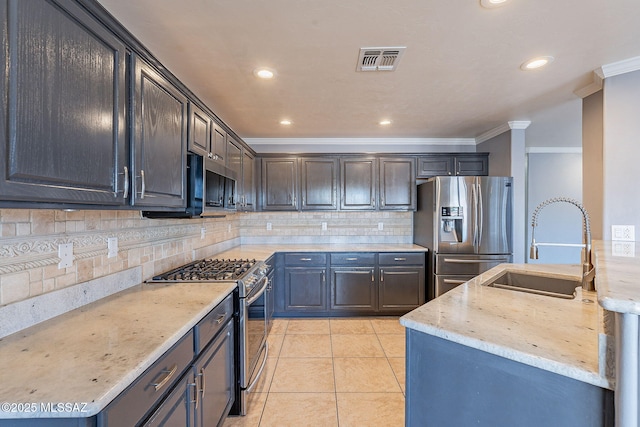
[280, 184]
[460, 164]
[200, 124]
[319, 183]
[160, 136]
[397, 183]
[63, 110]
[358, 183]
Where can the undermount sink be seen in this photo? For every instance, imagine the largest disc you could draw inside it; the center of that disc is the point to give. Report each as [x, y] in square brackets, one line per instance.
[536, 284]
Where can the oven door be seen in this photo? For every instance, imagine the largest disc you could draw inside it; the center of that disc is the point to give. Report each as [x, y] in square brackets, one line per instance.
[253, 345]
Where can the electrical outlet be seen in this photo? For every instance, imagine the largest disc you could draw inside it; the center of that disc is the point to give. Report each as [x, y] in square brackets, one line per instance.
[228, 228]
[65, 253]
[626, 233]
[381, 226]
[269, 226]
[112, 247]
[324, 226]
[625, 249]
[203, 233]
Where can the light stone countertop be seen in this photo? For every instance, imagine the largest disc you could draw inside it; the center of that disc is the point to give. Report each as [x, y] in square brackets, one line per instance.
[618, 277]
[91, 354]
[557, 335]
[262, 252]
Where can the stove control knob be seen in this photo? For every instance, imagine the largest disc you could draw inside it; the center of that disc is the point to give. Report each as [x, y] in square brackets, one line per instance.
[249, 280]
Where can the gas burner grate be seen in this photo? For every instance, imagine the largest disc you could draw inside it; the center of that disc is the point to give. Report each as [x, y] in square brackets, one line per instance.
[209, 269]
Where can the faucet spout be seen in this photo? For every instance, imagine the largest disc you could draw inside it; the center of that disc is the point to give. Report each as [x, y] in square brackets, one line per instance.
[588, 271]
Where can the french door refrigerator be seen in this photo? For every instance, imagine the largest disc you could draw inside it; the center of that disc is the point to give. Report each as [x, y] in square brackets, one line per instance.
[466, 223]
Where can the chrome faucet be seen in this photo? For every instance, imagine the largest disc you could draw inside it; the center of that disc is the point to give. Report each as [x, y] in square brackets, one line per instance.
[588, 272]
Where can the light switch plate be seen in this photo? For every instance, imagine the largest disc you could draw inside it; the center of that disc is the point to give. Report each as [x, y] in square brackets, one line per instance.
[625, 233]
[65, 253]
[324, 226]
[381, 226]
[268, 226]
[203, 232]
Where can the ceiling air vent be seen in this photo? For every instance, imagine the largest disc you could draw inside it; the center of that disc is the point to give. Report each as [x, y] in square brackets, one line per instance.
[379, 58]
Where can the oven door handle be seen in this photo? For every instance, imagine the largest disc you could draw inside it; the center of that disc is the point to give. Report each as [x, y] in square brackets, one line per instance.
[264, 362]
[260, 292]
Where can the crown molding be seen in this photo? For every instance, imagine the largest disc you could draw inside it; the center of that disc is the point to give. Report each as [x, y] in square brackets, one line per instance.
[359, 141]
[608, 70]
[512, 125]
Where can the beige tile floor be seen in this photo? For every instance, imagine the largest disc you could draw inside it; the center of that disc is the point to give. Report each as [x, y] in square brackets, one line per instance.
[330, 372]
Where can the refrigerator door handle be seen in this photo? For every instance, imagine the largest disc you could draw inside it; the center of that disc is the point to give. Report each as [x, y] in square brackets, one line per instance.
[475, 261]
[480, 213]
[474, 192]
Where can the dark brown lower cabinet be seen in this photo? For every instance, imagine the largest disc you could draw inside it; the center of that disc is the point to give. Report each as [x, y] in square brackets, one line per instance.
[353, 289]
[401, 288]
[305, 289]
[358, 283]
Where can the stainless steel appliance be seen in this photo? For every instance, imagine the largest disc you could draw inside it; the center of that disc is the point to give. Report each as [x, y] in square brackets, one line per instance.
[253, 315]
[466, 223]
[211, 190]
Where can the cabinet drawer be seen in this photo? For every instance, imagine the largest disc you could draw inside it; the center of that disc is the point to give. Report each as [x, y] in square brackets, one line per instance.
[208, 327]
[133, 403]
[305, 259]
[401, 258]
[358, 258]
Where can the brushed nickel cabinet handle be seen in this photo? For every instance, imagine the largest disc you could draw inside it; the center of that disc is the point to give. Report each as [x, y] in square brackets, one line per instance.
[221, 318]
[203, 382]
[168, 373]
[381, 275]
[305, 259]
[352, 259]
[126, 183]
[373, 277]
[144, 184]
[399, 259]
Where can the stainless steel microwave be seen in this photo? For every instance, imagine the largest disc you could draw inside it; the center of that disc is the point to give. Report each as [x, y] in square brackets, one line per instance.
[211, 190]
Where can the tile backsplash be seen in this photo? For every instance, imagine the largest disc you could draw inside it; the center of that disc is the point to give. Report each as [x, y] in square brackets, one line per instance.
[30, 239]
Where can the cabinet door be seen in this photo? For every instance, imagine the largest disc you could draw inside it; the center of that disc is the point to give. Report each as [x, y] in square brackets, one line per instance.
[435, 165]
[63, 109]
[234, 156]
[472, 165]
[280, 184]
[215, 376]
[305, 289]
[353, 289]
[397, 183]
[177, 408]
[401, 288]
[160, 118]
[199, 131]
[218, 143]
[358, 184]
[319, 184]
[248, 198]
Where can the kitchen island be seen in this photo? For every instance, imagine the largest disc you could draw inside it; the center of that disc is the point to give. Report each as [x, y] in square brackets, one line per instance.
[493, 356]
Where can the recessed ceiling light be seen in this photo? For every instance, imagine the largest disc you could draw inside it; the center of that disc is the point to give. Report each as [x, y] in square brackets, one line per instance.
[264, 73]
[285, 122]
[536, 63]
[384, 122]
[492, 3]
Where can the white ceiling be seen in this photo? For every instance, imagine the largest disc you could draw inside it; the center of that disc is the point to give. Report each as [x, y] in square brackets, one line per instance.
[458, 78]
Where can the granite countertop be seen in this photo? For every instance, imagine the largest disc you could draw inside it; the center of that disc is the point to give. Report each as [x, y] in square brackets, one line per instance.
[262, 252]
[88, 356]
[617, 276]
[557, 335]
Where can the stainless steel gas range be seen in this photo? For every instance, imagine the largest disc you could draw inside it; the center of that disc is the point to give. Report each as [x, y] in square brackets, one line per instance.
[253, 313]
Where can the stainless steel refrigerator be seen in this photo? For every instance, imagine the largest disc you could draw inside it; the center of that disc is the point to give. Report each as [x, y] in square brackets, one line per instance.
[466, 223]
